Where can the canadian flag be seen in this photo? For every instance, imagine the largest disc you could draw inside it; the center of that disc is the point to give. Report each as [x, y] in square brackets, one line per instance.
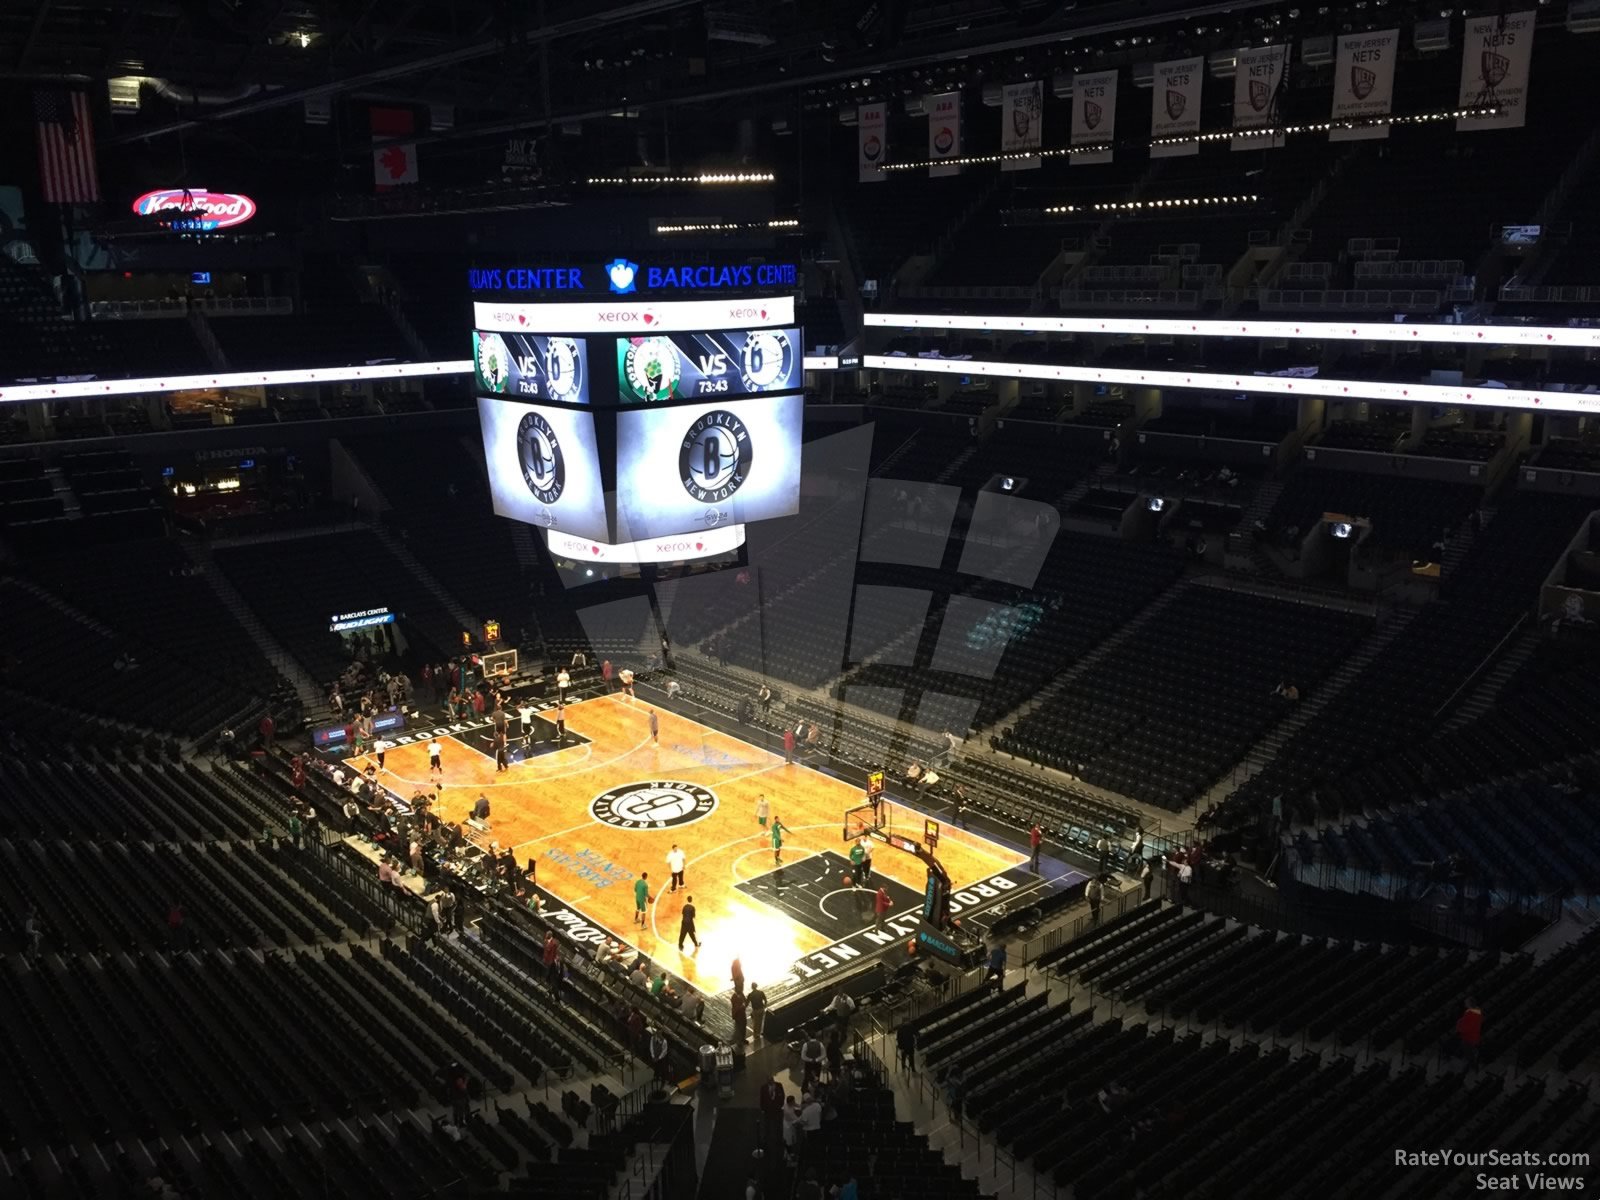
[393, 164]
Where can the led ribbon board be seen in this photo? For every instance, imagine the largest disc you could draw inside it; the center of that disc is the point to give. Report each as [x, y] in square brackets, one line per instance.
[638, 316]
[1326, 331]
[1352, 389]
[79, 388]
[655, 550]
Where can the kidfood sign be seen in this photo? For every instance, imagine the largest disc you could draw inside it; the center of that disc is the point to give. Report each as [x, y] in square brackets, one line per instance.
[211, 210]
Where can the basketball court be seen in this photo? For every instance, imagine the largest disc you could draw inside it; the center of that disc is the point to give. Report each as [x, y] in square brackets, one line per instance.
[596, 813]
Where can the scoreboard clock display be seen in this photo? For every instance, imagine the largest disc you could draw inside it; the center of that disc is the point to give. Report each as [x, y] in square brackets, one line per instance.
[728, 364]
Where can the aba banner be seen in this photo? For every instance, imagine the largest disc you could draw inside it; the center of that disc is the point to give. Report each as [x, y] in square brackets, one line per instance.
[1257, 82]
[531, 365]
[944, 133]
[1175, 107]
[747, 362]
[1021, 125]
[1363, 85]
[1094, 116]
[1495, 61]
[872, 140]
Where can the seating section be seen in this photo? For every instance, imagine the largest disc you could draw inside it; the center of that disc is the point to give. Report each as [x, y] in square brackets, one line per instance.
[1407, 515]
[1395, 699]
[265, 1045]
[296, 585]
[1110, 1106]
[1170, 709]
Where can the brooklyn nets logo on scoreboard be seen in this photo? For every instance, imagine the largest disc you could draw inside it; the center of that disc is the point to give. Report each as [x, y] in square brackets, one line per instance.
[658, 804]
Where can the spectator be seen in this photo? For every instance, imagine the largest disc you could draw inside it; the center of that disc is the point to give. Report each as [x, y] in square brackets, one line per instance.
[791, 1128]
[737, 1008]
[764, 698]
[175, 935]
[659, 984]
[810, 1114]
[1185, 878]
[1095, 894]
[736, 972]
[1147, 876]
[997, 964]
[637, 977]
[1102, 847]
[658, 1054]
[552, 957]
[788, 745]
[772, 1103]
[811, 1056]
[905, 1044]
[835, 1055]
[1035, 845]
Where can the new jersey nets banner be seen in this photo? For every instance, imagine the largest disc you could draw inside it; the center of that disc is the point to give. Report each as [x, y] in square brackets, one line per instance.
[944, 133]
[1363, 85]
[872, 141]
[1094, 115]
[1256, 83]
[1175, 107]
[1496, 57]
[1021, 125]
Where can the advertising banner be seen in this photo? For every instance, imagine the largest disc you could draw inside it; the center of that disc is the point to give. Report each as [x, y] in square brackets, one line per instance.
[1175, 106]
[944, 133]
[1363, 84]
[1496, 62]
[1021, 125]
[1259, 77]
[872, 141]
[537, 366]
[1094, 115]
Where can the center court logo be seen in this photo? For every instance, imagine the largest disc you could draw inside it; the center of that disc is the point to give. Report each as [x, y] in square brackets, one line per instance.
[656, 804]
[714, 458]
[539, 454]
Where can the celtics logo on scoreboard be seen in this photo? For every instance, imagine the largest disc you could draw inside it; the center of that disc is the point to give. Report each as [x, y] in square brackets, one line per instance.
[654, 804]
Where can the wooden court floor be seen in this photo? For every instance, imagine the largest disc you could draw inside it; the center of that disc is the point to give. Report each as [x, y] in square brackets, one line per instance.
[546, 808]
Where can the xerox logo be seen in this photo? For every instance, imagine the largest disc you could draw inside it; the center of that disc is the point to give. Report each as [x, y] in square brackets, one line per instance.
[625, 316]
[747, 312]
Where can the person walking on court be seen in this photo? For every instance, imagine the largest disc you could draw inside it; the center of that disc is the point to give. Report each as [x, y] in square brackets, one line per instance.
[858, 854]
[1095, 893]
[758, 1009]
[686, 925]
[627, 682]
[788, 745]
[675, 863]
[434, 751]
[380, 748]
[777, 842]
[881, 904]
[1035, 844]
[763, 810]
[525, 723]
[655, 727]
[500, 750]
[866, 861]
[641, 897]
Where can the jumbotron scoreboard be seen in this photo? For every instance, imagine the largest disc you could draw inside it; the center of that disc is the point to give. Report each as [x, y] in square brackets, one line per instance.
[624, 403]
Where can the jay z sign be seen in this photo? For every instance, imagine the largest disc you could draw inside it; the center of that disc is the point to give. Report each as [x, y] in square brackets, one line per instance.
[196, 209]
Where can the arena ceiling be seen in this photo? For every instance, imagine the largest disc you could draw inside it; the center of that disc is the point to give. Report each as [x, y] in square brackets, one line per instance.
[502, 66]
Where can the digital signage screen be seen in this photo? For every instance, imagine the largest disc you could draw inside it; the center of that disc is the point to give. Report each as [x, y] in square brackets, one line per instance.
[538, 366]
[544, 466]
[691, 366]
[704, 466]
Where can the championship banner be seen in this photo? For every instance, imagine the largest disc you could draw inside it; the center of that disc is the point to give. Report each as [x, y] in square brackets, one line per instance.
[1256, 82]
[1175, 106]
[1363, 84]
[1021, 125]
[1496, 57]
[944, 133]
[1094, 115]
[872, 140]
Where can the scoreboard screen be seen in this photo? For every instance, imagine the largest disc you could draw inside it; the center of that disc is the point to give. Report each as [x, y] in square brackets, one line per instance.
[728, 364]
[691, 468]
[544, 468]
[535, 366]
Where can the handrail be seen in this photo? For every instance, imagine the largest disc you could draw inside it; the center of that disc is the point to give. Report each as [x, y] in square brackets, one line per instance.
[1482, 663]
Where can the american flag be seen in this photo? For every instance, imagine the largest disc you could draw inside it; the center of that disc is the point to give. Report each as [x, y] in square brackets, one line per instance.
[66, 147]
